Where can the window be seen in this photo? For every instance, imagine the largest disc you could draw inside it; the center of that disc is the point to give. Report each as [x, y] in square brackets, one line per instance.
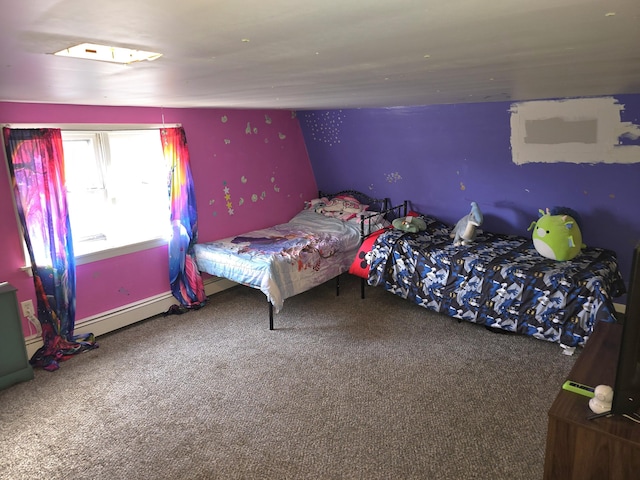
[117, 188]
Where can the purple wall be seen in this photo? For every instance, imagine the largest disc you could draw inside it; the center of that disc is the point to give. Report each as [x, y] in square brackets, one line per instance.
[442, 157]
[258, 155]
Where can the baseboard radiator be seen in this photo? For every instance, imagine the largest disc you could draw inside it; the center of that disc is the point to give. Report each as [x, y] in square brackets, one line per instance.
[112, 320]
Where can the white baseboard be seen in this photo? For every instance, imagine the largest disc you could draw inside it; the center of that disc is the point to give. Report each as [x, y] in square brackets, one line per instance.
[112, 320]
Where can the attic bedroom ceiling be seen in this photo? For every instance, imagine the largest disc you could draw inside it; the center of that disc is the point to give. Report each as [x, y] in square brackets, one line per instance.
[312, 54]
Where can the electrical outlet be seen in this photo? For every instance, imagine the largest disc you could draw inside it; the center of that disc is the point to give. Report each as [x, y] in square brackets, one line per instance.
[27, 308]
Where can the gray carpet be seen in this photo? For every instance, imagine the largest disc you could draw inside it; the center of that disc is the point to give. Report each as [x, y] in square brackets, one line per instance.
[343, 388]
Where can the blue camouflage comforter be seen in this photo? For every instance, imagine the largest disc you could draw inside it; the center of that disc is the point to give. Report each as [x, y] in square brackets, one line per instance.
[500, 281]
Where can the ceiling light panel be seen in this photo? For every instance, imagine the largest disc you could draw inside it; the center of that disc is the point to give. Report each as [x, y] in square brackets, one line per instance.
[106, 53]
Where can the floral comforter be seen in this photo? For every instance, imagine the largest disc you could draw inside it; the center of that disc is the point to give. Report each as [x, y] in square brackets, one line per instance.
[285, 259]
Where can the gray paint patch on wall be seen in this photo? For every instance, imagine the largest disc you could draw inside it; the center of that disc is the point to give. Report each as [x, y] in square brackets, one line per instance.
[582, 130]
[553, 131]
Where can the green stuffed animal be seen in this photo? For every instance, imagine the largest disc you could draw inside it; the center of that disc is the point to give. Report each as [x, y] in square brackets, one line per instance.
[410, 224]
[556, 234]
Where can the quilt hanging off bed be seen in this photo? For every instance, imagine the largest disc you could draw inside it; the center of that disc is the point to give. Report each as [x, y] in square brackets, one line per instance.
[499, 281]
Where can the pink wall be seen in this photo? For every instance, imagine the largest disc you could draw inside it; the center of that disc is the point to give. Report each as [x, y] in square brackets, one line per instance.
[250, 169]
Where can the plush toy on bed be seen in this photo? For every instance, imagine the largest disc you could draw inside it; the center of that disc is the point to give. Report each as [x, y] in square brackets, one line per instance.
[465, 230]
[410, 223]
[556, 234]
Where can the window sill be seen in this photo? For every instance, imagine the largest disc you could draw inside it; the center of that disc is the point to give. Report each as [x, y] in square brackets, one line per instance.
[117, 251]
[111, 252]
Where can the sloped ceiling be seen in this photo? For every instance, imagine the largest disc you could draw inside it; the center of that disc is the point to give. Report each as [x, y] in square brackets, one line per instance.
[304, 54]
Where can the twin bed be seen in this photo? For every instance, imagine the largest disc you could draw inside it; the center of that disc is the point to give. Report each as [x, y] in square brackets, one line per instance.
[316, 245]
[499, 281]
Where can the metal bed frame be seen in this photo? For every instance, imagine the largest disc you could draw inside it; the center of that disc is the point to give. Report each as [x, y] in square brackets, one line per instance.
[380, 205]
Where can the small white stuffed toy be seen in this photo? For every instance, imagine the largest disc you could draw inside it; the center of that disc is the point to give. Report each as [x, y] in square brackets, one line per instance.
[465, 230]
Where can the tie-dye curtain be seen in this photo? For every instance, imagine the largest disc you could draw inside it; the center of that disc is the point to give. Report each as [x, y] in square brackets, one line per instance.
[185, 279]
[36, 165]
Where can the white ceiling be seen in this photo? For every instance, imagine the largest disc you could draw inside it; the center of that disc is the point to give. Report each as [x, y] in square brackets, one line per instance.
[305, 54]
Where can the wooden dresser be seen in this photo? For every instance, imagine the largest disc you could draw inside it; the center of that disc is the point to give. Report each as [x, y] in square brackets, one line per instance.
[602, 448]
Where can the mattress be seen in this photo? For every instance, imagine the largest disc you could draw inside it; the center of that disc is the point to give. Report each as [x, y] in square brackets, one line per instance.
[500, 281]
[286, 259]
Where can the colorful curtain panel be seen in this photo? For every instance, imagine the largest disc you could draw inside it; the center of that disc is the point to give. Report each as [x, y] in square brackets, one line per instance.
[185, 279]
[36, 165]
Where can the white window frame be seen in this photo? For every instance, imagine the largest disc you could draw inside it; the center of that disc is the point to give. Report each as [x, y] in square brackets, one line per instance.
[109, 252]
